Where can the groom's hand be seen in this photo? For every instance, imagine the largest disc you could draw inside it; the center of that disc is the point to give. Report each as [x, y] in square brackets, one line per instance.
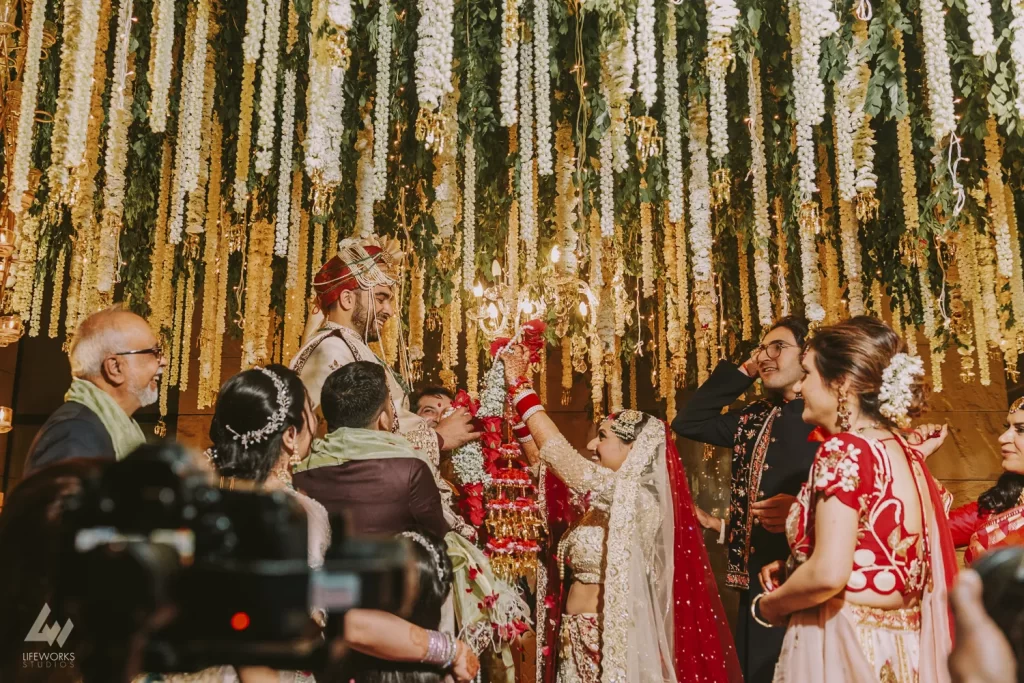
[457, 430]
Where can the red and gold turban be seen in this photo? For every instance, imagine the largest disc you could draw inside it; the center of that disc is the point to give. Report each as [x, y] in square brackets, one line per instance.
[360, 264]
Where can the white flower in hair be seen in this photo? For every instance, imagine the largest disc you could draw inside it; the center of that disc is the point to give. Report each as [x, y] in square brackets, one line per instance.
[896, 393]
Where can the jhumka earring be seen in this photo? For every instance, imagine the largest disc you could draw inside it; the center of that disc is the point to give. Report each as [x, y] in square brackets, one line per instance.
[843, 410]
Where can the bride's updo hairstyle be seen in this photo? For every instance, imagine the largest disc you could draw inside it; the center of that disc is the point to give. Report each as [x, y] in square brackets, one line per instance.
[861, 349]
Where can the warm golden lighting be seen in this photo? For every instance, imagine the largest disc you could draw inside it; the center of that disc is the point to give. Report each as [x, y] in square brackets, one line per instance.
[495, 269]
[6, 414]
[11, 329]
[492, 311]
[583, 308]
[556, 254]
[478, 290]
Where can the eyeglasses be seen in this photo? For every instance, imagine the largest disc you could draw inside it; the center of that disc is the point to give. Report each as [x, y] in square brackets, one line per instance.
[773, 350]
[156, 351]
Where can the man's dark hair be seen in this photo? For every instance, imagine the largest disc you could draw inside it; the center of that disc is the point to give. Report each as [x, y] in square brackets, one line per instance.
[433, 390]
[796, 325]
[354, 395]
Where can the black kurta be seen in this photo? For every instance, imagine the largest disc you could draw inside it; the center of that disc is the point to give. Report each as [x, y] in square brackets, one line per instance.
[786, 467]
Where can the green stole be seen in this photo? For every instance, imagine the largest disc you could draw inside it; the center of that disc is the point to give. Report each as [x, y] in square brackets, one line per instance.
[125, 433]
[346, 444]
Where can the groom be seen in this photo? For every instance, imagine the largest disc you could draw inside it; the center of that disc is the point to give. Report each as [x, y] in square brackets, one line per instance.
[354, 292]
[771, 459]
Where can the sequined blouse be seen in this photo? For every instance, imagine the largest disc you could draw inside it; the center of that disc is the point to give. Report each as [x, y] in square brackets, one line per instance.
[858, 472]
[582, 550]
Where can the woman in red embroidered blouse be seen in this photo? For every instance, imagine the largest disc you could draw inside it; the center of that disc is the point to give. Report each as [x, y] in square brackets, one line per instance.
[997, 518]
[872, 558]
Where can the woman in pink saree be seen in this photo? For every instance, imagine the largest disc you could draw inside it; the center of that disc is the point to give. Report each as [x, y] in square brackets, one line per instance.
[865, 594]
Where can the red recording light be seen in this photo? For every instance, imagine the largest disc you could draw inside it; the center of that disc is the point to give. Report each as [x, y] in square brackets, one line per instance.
[240, 621]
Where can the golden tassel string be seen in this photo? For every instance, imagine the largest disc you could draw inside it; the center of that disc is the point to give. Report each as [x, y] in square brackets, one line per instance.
[834, 292]
[159, 281]
[682, 303]
[967, 265]
[209, 342]
[332, 241]
[186, 326]
[542, 383]
[665, 383]
[671, 275]
[36, 317]
[295, 292]
[221, 313]
[472, 358]
[58, 294]
[632, 382]
[244, 144]
[782, 277]
[318, 246]
[176, 319]
[897, 320]
[876, 298]
[303, 284]
[989, 282]
[747, 331]
[566, 370]
[615, 379]
[417, 316]
[27, 245]
[646, 245]
[825, 190]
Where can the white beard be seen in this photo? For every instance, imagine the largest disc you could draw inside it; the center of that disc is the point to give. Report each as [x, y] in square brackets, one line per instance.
[147, 396]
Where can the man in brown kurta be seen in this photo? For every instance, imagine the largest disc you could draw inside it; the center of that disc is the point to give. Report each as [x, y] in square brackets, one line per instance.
[361, 469]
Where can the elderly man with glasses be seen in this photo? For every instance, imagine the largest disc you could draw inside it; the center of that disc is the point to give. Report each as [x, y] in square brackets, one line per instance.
[116, 366]
[771, 457]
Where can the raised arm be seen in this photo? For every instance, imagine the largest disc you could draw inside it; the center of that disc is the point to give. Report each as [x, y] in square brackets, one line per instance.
[577, 471]
[701, 419]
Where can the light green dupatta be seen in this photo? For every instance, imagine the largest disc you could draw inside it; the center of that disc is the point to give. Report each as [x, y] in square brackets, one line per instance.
[124, 431]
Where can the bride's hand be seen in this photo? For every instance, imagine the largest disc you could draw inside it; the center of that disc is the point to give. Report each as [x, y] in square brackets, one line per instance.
[517, 363]
[926, 439]
[773, 575]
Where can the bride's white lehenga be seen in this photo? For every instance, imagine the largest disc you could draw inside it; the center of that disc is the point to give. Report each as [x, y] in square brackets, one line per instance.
[624, 542]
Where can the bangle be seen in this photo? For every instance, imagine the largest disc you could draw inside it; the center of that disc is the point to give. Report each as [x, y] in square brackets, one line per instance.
[522, 432]
[438, 645]
[527, 403]
[453, 651]
[722, 532]
[754, 611]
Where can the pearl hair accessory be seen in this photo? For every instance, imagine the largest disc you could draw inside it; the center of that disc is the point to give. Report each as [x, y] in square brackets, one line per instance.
[421, 540]
[276, 421]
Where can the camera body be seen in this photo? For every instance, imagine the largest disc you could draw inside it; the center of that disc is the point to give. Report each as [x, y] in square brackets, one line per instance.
[166, 572]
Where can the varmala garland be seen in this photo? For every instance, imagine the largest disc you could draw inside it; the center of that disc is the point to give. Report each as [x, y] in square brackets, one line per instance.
[26, 116]
[542, 84]
[759, 173]
[160, 63]
[434, 48]
[382, 101]
[997, 199]
[284, 190]
[186, 167]
[673, 128]
[268, 89]
[509, 62]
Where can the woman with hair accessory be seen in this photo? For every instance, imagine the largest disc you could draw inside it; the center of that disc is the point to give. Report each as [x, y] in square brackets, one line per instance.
[434, 578]
[872, 557]
[996, 519]
[262, 425]
[642, 604]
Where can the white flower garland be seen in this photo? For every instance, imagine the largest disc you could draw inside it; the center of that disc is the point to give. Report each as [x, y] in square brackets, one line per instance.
[325, 96]
[607, 182]
[1017, 52]
[759, 172]
[435, 43]
[469, 217]
[527, 208]
[700, 214]
[618, 62]
[850, 244]
[810, 22]
[268, 88]
[382, 101]
[811, 278]
[253, 40]
[542, 84]
[979, 27]
[284, 185]
[509, 62]
[997, 196]
[27, 116]
[722, 17]
[80, 96]
[160, 63]
[365, 179]
[446, 183]
[850, 98]
[647, 63]
[896, 394]
[190, 113]
[936, 63]
[673, 127]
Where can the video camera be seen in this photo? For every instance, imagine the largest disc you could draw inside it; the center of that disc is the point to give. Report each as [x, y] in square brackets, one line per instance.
[164, 571]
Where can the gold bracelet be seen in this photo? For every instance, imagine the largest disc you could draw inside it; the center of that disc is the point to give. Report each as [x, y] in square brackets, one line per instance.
[753, 611]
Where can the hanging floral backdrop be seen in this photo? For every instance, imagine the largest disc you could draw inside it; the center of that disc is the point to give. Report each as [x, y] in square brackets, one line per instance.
[651, 177]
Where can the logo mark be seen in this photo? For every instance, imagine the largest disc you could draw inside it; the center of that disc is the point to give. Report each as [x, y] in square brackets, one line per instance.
[41, 633]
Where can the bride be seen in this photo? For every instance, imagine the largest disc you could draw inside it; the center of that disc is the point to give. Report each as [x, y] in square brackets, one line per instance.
[634, 556]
